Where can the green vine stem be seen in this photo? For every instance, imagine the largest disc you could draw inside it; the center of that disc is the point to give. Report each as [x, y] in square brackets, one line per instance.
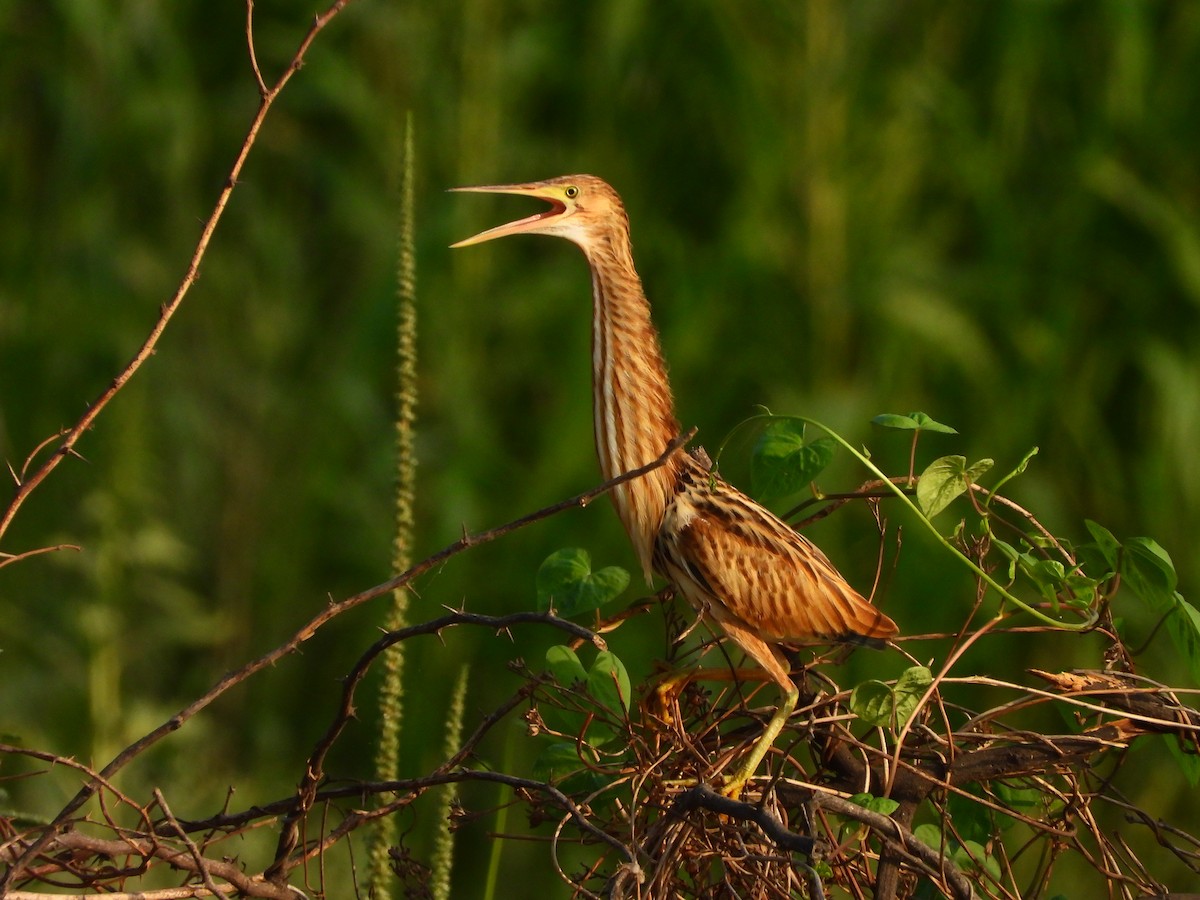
[925, 520]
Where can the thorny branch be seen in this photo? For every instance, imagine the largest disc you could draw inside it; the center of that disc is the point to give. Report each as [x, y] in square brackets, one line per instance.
[653, 783]
[69, 438]
[648, 835]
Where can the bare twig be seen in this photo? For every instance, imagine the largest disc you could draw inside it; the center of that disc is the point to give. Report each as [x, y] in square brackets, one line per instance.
[10, 558]
[263, 90]
[934, 862]
[246, 885]
[72, 435]
[306, 632]
[202, 864]
[314, 770]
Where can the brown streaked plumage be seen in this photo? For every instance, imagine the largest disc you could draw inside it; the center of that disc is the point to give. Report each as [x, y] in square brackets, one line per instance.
[735, 561]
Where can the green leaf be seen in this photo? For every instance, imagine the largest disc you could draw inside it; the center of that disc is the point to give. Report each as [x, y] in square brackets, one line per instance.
[557, 760]
[823, 869]
[1149, 570]
[1019, 470]
[608, 683]
[567, 584]
[972, 820]
[783, 463]
[885, 806]
[1047, 575]
[945, 479]
[929, 835]
[565, 666]
[1184, 628]
[873, 702]
[915, 421]
[560, 762]
[910, 688]
[972, 855]
[562, 721]
[882, 705]
[1109, 546]
[1082, 590]
[1010, 553]
[1018, 797]
[1189, 763]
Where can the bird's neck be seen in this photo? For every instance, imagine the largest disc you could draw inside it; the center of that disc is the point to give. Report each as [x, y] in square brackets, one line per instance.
[634, 412]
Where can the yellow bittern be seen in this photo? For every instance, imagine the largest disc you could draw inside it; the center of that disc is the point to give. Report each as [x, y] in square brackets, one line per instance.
[737, 563]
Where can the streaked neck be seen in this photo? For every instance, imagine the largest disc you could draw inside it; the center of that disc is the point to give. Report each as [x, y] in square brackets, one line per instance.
[634, 412]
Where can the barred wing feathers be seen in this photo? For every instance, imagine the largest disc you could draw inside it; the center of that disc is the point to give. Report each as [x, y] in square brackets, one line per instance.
[735, 559]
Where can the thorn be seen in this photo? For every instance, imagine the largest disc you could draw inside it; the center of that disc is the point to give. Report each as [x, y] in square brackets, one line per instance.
[13, 472]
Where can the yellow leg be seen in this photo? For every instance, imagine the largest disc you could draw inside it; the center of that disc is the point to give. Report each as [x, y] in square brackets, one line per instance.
[670, 686]
[733, 787]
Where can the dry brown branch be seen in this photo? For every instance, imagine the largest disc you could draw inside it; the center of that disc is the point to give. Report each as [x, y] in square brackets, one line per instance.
[75, 842]
[314, 770]
[644, 807]
[202, 864]
[7, 559]
[659, 832]
[307, 631]
[70, 437]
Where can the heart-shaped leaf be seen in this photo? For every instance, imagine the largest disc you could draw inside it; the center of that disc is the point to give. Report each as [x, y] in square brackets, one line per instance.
[565, 666]
[567, 584]
[783, 463]
[1149, 570]
[883, 706]
[945, 479]
[910, 688]
[608, 683]
[873, 702]
[1109, 546]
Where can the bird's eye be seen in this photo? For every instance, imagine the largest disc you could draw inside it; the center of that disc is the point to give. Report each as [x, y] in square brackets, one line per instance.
[572, 192]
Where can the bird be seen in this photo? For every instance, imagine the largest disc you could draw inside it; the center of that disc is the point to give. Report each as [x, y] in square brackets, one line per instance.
[765, 585]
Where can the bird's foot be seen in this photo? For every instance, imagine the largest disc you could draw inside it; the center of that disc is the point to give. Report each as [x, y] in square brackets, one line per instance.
[734, 786]
[666, 693]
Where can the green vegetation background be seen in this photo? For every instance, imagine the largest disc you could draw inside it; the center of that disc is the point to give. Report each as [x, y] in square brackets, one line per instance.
[990, 212]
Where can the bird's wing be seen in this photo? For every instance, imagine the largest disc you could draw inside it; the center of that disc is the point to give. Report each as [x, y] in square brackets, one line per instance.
[756, 568]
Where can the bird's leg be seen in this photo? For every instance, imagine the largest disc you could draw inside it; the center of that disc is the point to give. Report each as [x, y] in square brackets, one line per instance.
[775, 666]
[733, 787]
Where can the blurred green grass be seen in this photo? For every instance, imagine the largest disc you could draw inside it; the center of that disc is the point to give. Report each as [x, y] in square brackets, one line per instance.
[986, 211]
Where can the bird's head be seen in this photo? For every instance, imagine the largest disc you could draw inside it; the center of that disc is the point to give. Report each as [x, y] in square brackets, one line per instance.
[583, 209]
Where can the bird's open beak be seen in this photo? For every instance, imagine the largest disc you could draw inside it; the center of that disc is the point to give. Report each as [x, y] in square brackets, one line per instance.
[529, 223]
